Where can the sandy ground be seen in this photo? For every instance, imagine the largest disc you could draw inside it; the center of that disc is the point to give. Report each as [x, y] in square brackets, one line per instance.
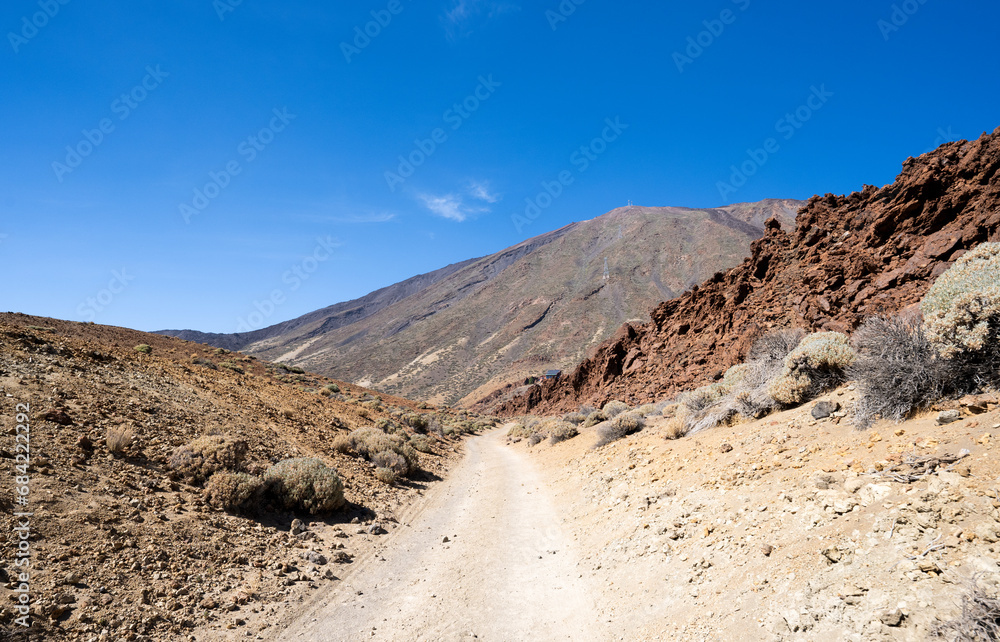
[508, 570]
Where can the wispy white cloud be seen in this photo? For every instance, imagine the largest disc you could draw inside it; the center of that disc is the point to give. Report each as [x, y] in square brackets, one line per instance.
[448, 206]
[371, 217]
[463, 15]
[481, 190]
[456, 207]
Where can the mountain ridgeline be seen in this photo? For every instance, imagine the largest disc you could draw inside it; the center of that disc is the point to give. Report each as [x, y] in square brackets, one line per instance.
[850, 257]
[460, 333]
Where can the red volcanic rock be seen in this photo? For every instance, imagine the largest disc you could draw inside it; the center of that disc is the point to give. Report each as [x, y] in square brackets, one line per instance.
[849, 257]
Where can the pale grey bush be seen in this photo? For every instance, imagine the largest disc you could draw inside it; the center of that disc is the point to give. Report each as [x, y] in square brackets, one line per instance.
[305, 484]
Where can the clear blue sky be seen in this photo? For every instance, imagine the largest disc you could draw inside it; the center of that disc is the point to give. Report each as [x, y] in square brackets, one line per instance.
[187, 90]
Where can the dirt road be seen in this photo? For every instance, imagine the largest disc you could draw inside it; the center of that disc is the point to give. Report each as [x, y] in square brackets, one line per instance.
[507, 571]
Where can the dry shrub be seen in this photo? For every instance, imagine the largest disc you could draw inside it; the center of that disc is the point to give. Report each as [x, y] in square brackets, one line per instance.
[621, 426]
[419, 423]
[393, 461]
[518, 431]
[386, 476]
[119, 439]
[980, 617]
[232, 491]
[535, 439]
[742, 391]
[368, 442]
[203, 457]
[575, 418]
[341, 444]
[819, 362]
[897, 371]
[305, 484]
[561, 431]
[422, 444]
[614, 408]
[675, 429]
[595, 418]
[775, 346]
[647, 409]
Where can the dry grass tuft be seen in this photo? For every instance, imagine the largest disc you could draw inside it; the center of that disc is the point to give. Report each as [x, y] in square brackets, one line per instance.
[119, 439]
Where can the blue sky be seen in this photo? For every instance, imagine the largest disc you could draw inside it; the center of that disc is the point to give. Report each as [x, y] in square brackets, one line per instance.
[186, 164]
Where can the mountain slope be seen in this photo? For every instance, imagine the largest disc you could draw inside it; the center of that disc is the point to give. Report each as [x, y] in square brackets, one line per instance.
[535, 306]
[125, 548]
[850, 257]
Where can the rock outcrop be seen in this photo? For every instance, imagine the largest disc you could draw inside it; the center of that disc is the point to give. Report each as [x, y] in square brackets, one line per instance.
[850, 257]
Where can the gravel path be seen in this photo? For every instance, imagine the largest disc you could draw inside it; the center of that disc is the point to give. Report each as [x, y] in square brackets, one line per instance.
[506, 573]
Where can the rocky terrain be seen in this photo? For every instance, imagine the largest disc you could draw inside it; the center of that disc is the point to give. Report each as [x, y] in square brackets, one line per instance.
[849, 257]
[788, 528]
[536, 306]
[122, 549]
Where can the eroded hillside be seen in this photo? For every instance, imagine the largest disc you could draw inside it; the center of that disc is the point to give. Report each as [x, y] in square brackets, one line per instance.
[125, 549]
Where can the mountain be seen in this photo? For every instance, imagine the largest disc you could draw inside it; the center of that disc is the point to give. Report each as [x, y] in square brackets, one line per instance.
[849, 257]
[462, 332]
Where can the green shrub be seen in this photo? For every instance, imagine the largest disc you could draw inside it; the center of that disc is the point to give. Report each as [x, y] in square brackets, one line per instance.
[143, 348]
[621, 426]
[386, 476]
[292, 369]
[203, 457]
[595, 418]
[897, 371]
[817, 363]
[232, 491]
[561, 431]
[305, 484]
[614, 408]
[332, 387]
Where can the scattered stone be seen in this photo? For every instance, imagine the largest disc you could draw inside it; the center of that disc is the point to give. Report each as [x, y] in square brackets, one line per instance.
[854, 484]
[58, 417]
[767, 549]
[948, 416]
[892, 618]
[84, 443]
[725, 448]
[315, 558]
[341, 557]
[298, 526]
[376, 529]
[445, 539]
[824, 409]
